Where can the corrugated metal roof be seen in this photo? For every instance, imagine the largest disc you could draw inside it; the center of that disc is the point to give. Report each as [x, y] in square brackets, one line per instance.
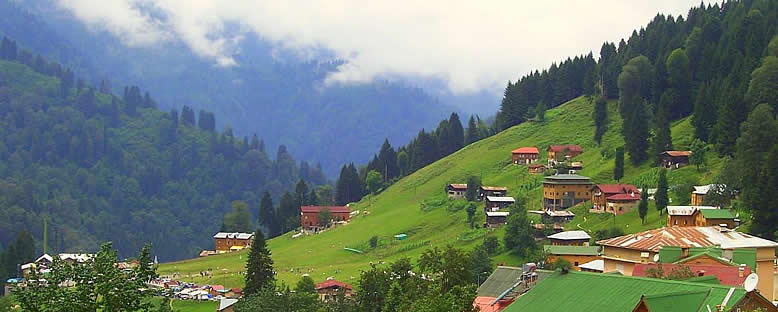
[499, 281]
[494, 188]
[526, 150]
[572, 250]
[236, 235]
[678, 153]
[458, 185]
[568, 235]
[718, 214]
[497, 213]
[594, 265]
[686, 237]
[504, 199]
[317, 209]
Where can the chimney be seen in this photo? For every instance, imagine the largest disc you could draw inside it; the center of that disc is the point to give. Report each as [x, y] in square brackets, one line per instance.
[741, 270]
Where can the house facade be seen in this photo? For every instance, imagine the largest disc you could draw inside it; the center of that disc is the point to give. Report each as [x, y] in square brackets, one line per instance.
[563, 191]
[536, 169]
[700, 216]
[496, 218]
[330, 288]
[622, 203]
[675, 159]
[309, 215]
[576, 255]
[226, 242]
[455, 190]
[601, 192]
[623, 253]
[525, 155]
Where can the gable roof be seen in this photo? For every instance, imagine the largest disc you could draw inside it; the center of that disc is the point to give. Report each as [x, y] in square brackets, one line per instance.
[686, 237]
[570, 235]
[618, 188]
[678, 153]
[236, 235]
[686, 210]
[497, 213]
[631, 197]
[685, 300]
[494, 188]
[503, 199]
[525, 150]
[567, 179]
[572, 250]
[706, 254]
[458, 185]
[574, 148]
[317, 209]
[718, 214]
[610, 292]
[594, 265]
[332, 283]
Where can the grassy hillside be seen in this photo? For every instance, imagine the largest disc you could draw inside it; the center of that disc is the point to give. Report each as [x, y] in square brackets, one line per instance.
[416, 205]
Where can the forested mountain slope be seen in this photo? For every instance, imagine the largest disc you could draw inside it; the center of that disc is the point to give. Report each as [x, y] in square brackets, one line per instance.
[103, 168]
[416, 205]
[270, 92]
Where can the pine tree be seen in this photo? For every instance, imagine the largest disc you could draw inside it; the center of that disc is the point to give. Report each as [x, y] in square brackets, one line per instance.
[679, 77]
[472, 131]
[636, 135]
[456, 133]
[727, 127]
[661, 192]
[663, 140]
[267, 214]
[704, 114]
[600, 116]
[618, 167]
[259, 266]
[643, 206]
[757, 135]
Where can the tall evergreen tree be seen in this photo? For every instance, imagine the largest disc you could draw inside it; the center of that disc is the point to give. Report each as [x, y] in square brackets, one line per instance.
[472, 131]
[643, 206]
[636, 135]
[267, 214]
[600, 116]
[663, 140]
[456, 133]
[259, 266]
[679, 77]
[704, 114]
[540, 111]
[758, 135]
[618, 167]
[661, 192]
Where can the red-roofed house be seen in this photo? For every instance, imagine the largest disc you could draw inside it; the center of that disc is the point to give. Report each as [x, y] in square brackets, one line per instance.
[730, 275]
[309, 215]
[602, 192]
[675, 159]
[456, 190]
[563, 151]
[525, 155]
[330, 288]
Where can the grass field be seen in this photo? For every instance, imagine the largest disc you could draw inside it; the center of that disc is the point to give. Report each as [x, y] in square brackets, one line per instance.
[416, 205]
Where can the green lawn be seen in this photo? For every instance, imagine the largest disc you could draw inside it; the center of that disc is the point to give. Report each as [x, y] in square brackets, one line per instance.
[416, 205]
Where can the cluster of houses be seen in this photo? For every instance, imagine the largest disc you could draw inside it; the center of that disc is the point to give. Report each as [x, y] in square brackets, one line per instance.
[675, 268]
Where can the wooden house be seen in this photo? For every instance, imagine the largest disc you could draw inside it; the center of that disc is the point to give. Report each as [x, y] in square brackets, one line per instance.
[455, 190]
[496, 218]
[675, 159]
[330, 288]
[554, 217]
[570, 238]
[622, 203]
[525, 155]
[309, 215]
[700, 216]
[576, 255]
[563, 191]
[494, 203]
[699, 193]
[495, 191]
[536, 169]
[624, 252]
[225, 242]
[601, 192]
[563, 152]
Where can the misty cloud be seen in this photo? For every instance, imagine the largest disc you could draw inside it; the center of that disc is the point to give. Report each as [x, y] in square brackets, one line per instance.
[472, 45]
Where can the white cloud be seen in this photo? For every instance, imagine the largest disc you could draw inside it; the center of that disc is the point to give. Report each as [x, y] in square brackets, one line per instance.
[473, 45]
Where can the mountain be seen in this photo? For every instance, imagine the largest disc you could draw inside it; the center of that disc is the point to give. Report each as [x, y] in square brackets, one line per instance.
[104, 168]
[417, 205]
[272, 93]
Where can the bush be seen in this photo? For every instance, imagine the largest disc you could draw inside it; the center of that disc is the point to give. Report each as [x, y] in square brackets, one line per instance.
[374, 241]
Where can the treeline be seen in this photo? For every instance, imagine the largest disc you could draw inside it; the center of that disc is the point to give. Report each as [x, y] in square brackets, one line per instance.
[105, 168]
[389, 164]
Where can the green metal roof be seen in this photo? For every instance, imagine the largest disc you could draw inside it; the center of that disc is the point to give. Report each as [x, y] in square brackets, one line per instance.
[712, 254]
[583, 291]
[706, 279]
[572, 250]
[718, 214]
[567, 179]
[501, 279]
[745, 256]
[688, 300]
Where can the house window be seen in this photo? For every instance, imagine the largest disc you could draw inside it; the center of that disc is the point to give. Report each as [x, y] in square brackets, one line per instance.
[676, 222]
[575, 263]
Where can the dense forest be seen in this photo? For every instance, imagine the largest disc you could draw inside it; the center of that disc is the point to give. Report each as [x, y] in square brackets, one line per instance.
[97, 167]
[271, 91]
[718, 66]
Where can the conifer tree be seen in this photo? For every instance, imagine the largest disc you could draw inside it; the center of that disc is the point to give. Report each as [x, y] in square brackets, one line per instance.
[663, 140]
[600, 116]
[757, 135]
[618, 167]
[679, 77]
[456, 133]
[259, 266]
[540, 111]
[643, 206]
[704, 114]
[472, 131]
[267, 214]
[661, 192]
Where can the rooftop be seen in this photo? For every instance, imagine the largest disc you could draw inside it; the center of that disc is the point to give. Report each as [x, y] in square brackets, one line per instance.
[497, 213]
[617, 188]
[726, 275]
[458, 185]
[718, 214]
[570, 235]
[686, 237]
[686, 210]
[506, 199]
[572, 250]
[499, 281]
[629, 197]
[678, 153]
[594, 265]
[494, 188]
[610, 292]
[570, 147]
[235, 235]
[525, 150]
[317, 209]
[332, 283]
[567, 179]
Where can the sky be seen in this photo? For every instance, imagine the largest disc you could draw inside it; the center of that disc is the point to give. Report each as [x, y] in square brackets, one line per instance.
[472, 46]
